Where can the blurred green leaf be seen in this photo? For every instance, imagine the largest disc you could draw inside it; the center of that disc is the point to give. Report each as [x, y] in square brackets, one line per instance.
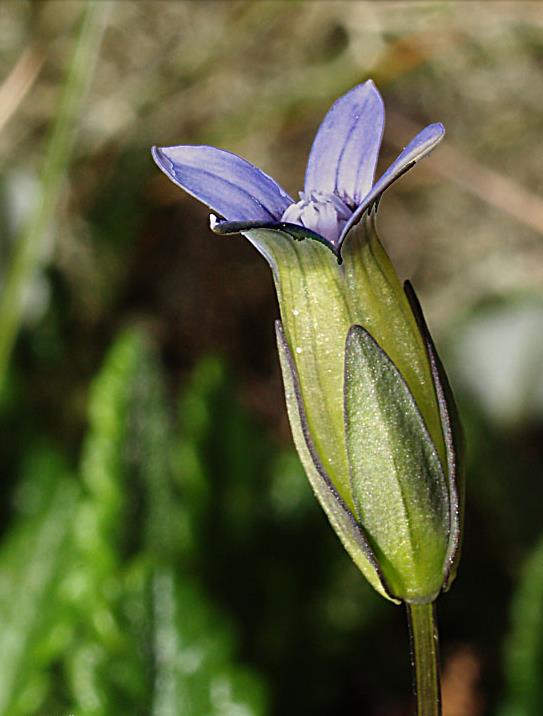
[140, 623]
[524, 644]
[221, 464]
[195, 671]
[148, 455]
[34, 628]
[106, 664]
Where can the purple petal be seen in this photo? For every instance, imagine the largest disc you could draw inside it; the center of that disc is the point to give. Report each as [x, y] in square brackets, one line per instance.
[228, 184]
[417, 148]
[345, 150]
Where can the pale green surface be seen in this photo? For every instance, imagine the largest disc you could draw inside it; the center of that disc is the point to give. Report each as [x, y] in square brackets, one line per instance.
[381, 307]
[319, 300]
[340, 519]
[397, 481]
[315, 317]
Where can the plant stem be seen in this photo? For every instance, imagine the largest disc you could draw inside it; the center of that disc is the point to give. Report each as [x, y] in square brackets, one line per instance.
[425, 658]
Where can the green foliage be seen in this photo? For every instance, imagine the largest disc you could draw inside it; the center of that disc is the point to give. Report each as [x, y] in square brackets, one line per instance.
[106, 666]
[524, 643]
[35, 626]
[194, 657]
[141, 624]
[99, 613]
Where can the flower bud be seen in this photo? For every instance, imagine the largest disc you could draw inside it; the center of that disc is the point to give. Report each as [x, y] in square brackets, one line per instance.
[368, 408]
[369, 404]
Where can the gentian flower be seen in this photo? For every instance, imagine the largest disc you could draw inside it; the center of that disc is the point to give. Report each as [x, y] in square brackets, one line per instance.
[371, 412]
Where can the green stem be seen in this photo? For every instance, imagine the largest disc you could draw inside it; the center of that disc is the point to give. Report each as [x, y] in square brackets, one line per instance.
[425, 658]
[26, 255]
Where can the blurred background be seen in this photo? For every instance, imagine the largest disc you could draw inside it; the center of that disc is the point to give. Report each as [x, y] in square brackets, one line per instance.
[160, 549]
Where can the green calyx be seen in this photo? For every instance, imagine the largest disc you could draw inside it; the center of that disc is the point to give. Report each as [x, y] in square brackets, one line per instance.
[397, 480]
[370, 424]
[342, 519]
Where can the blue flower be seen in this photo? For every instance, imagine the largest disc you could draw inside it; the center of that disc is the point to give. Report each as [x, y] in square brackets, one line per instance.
[371, 412]
[339, 180]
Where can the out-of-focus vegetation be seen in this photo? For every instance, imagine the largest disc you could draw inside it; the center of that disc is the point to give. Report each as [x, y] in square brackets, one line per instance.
[160, 550]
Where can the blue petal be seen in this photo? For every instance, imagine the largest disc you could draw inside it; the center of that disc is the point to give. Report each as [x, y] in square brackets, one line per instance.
[228, 184]
[345, 150]
[418, 148]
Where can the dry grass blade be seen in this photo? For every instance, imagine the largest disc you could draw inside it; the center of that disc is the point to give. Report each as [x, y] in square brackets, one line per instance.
[486, 184]
[19, 82]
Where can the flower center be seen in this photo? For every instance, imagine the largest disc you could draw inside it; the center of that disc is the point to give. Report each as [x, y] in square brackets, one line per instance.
[319, 211]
